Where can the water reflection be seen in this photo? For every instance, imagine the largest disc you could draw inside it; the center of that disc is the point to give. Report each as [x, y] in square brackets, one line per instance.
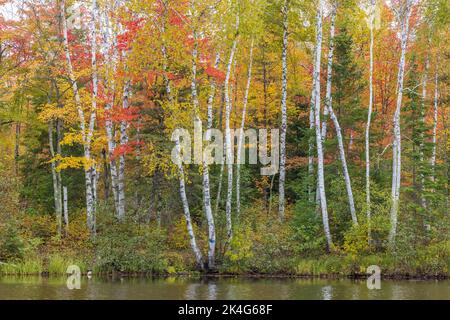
[233, 288]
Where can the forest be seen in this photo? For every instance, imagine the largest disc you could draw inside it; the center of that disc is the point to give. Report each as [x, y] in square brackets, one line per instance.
[353, 95]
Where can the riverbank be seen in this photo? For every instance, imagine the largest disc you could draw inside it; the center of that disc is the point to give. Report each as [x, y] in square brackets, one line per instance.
[329, 267]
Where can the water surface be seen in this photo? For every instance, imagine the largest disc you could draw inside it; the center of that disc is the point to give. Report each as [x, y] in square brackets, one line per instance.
[218, 288]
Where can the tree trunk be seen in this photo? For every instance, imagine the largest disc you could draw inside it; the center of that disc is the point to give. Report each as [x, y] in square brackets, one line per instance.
[403, 19]
[90, 171]
[123, 143]
[320, 165]
[435, 120]
[228, 142]
[369, 120]
[422, 120]
[328, 97]
[56, 180]
[241, 145]
[66, 208]
[281, 207]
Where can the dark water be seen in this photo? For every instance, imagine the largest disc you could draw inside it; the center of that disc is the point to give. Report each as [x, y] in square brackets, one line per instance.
[218, 288]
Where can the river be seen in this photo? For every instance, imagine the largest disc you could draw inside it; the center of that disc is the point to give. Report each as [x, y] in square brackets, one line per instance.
[234, 288]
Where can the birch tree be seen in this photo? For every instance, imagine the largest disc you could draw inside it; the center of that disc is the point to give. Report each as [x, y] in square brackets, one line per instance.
[435, 120]
[320, 164]
[87, 129]
[371, 21]
[241, 145]
[228, 141]
[402, 13]
[206, 182]
[281, 207]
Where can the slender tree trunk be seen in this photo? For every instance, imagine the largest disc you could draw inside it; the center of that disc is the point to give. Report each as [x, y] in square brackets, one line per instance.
[187, 214]
[205, 169]
[320, 166]
[56, 181]
[311, 140]
[328, 97]
[206, 182]
[228, 141]
[123, 143]
[435, 120]
[241, 145]
[182, 189]
[90, 172]
[281, 207]
[329, 106]
[17, 147]
[369, 121]
[403, 19]
[422, 120]
[110, 44]
[66, 208]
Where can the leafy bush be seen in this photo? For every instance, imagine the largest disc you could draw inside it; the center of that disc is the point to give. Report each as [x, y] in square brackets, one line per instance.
[308, 231]
[128, 247]
[238, 257]
[11, 245]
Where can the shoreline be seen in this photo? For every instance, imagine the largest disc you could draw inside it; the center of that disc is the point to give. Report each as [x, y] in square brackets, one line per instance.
[198, 275]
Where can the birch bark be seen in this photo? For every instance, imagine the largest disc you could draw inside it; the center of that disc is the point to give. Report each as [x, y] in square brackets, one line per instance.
[90, 172]
[320, 165]
[369, 118]
[435, 120]
[402, 14]
[281, 206]
[329, 107]
[228, 142]
[241, 146]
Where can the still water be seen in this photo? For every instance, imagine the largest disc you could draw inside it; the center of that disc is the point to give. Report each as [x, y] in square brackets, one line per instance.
[218, 288]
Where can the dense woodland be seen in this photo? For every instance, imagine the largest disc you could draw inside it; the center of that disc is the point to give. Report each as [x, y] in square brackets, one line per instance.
[91, 91]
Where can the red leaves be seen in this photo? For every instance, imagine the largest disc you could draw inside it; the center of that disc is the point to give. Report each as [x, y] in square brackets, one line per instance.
[132, 27]
[122, 149]
[215, 73]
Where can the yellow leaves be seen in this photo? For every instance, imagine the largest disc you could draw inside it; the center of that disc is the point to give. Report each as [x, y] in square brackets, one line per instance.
[51, 112]
[160, 160]
[72, 138]
[72, 162]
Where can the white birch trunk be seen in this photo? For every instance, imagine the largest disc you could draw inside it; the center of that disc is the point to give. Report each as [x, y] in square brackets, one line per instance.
[187, 214]
[110, 43]
[328, 97]
[435, 120]
[182, 189]
[320, 165]
[329, 106]
[369, 120]
[205, 169]
[56, 177]
[422, 115]
[241, 146]
[311, 143]
[281, 206]
[86, 136]
[123, 142]
[66, 207]
[403, 20]
[228, 142]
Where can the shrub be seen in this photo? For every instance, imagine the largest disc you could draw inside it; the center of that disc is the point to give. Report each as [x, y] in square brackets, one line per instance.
[11, 245]
[127, 247]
